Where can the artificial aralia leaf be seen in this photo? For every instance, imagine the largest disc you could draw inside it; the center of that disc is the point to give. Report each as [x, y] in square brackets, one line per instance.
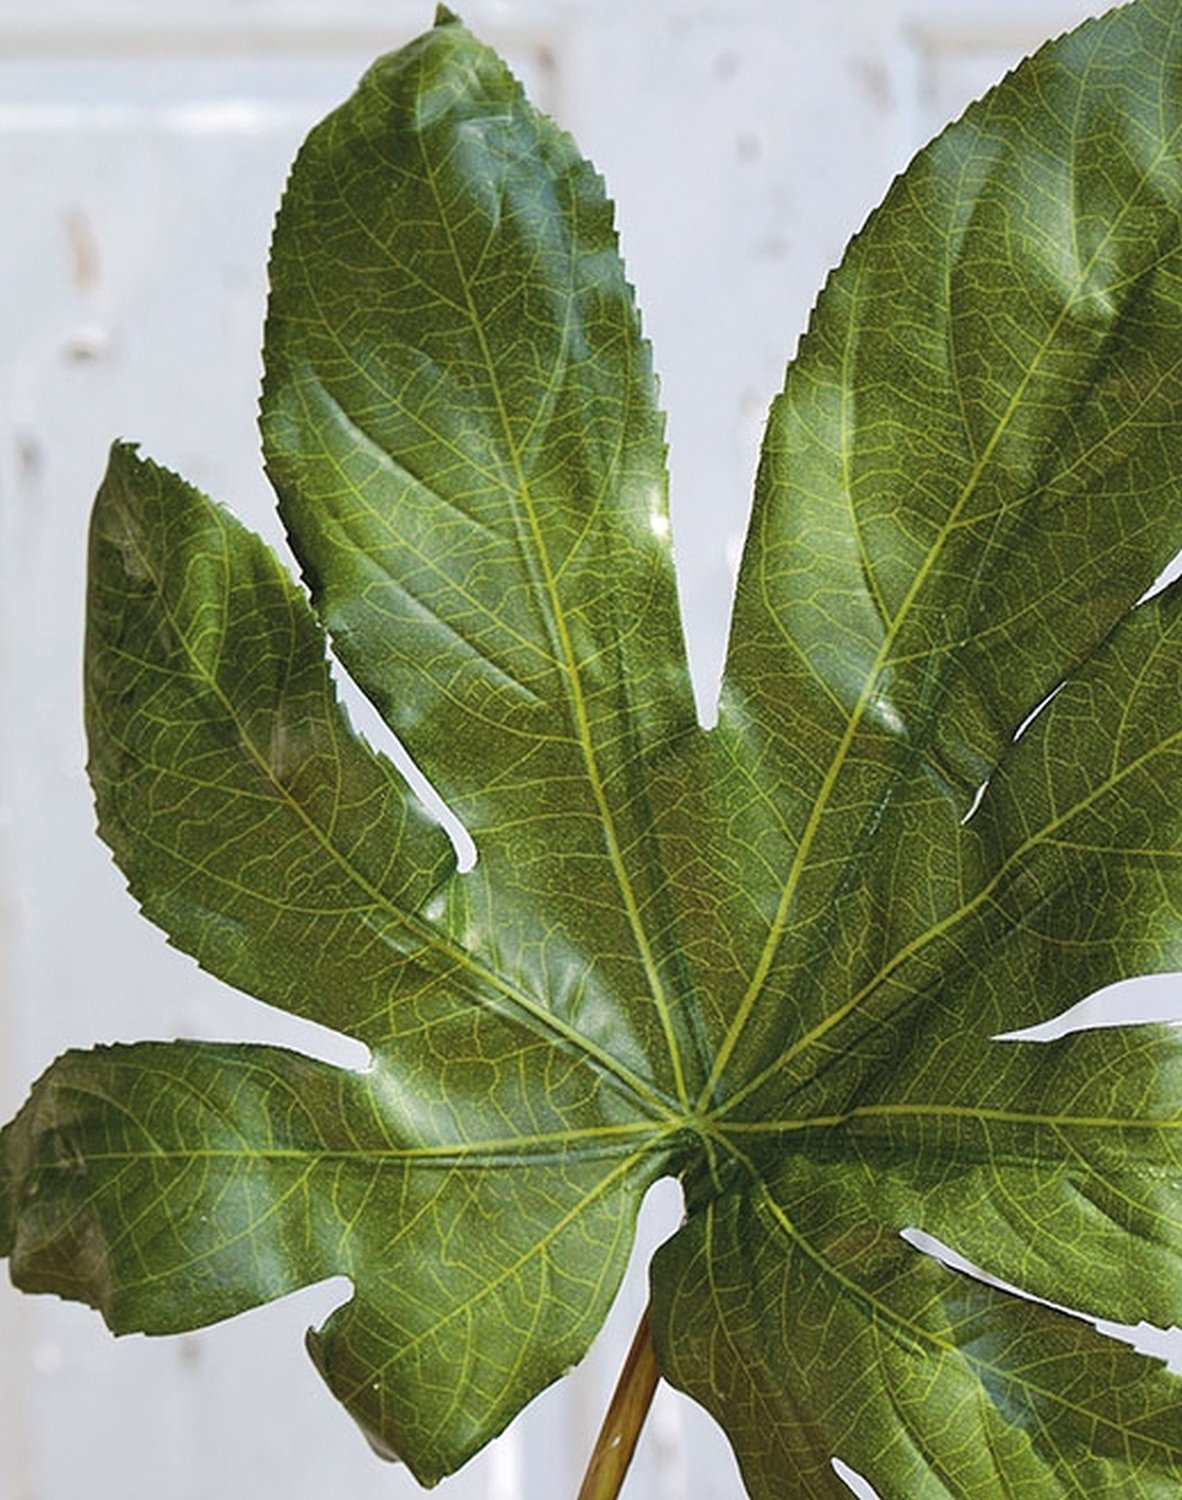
[478, 1183]
[773, 958]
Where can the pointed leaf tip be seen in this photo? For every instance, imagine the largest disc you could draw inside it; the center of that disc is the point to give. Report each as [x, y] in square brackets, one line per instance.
[446, 17]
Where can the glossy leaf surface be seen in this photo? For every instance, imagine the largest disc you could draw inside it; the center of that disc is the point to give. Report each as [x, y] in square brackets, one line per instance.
[771, 958]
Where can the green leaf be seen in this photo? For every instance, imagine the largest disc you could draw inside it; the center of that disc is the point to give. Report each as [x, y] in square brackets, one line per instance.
[943, 801]
[460, 421]
[173, 1184]
[970, 476]
[251, 823]
[170, 1185]
[819, 1327]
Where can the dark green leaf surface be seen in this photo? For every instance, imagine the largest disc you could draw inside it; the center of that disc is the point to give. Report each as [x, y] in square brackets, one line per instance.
[173, 1184]
[459, 417]
[479, 1183]
[771, 958]
[971, 474]
[806, 1324]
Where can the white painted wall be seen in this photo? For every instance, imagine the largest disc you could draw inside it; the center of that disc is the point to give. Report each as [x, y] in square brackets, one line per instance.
[142, 151]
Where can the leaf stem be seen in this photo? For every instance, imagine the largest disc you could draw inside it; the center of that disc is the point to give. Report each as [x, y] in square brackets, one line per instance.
[618, 1436]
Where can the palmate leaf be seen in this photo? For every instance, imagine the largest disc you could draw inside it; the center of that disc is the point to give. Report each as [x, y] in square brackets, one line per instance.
[771, 958]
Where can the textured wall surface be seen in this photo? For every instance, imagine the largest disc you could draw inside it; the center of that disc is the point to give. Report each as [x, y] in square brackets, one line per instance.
[142, 151]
